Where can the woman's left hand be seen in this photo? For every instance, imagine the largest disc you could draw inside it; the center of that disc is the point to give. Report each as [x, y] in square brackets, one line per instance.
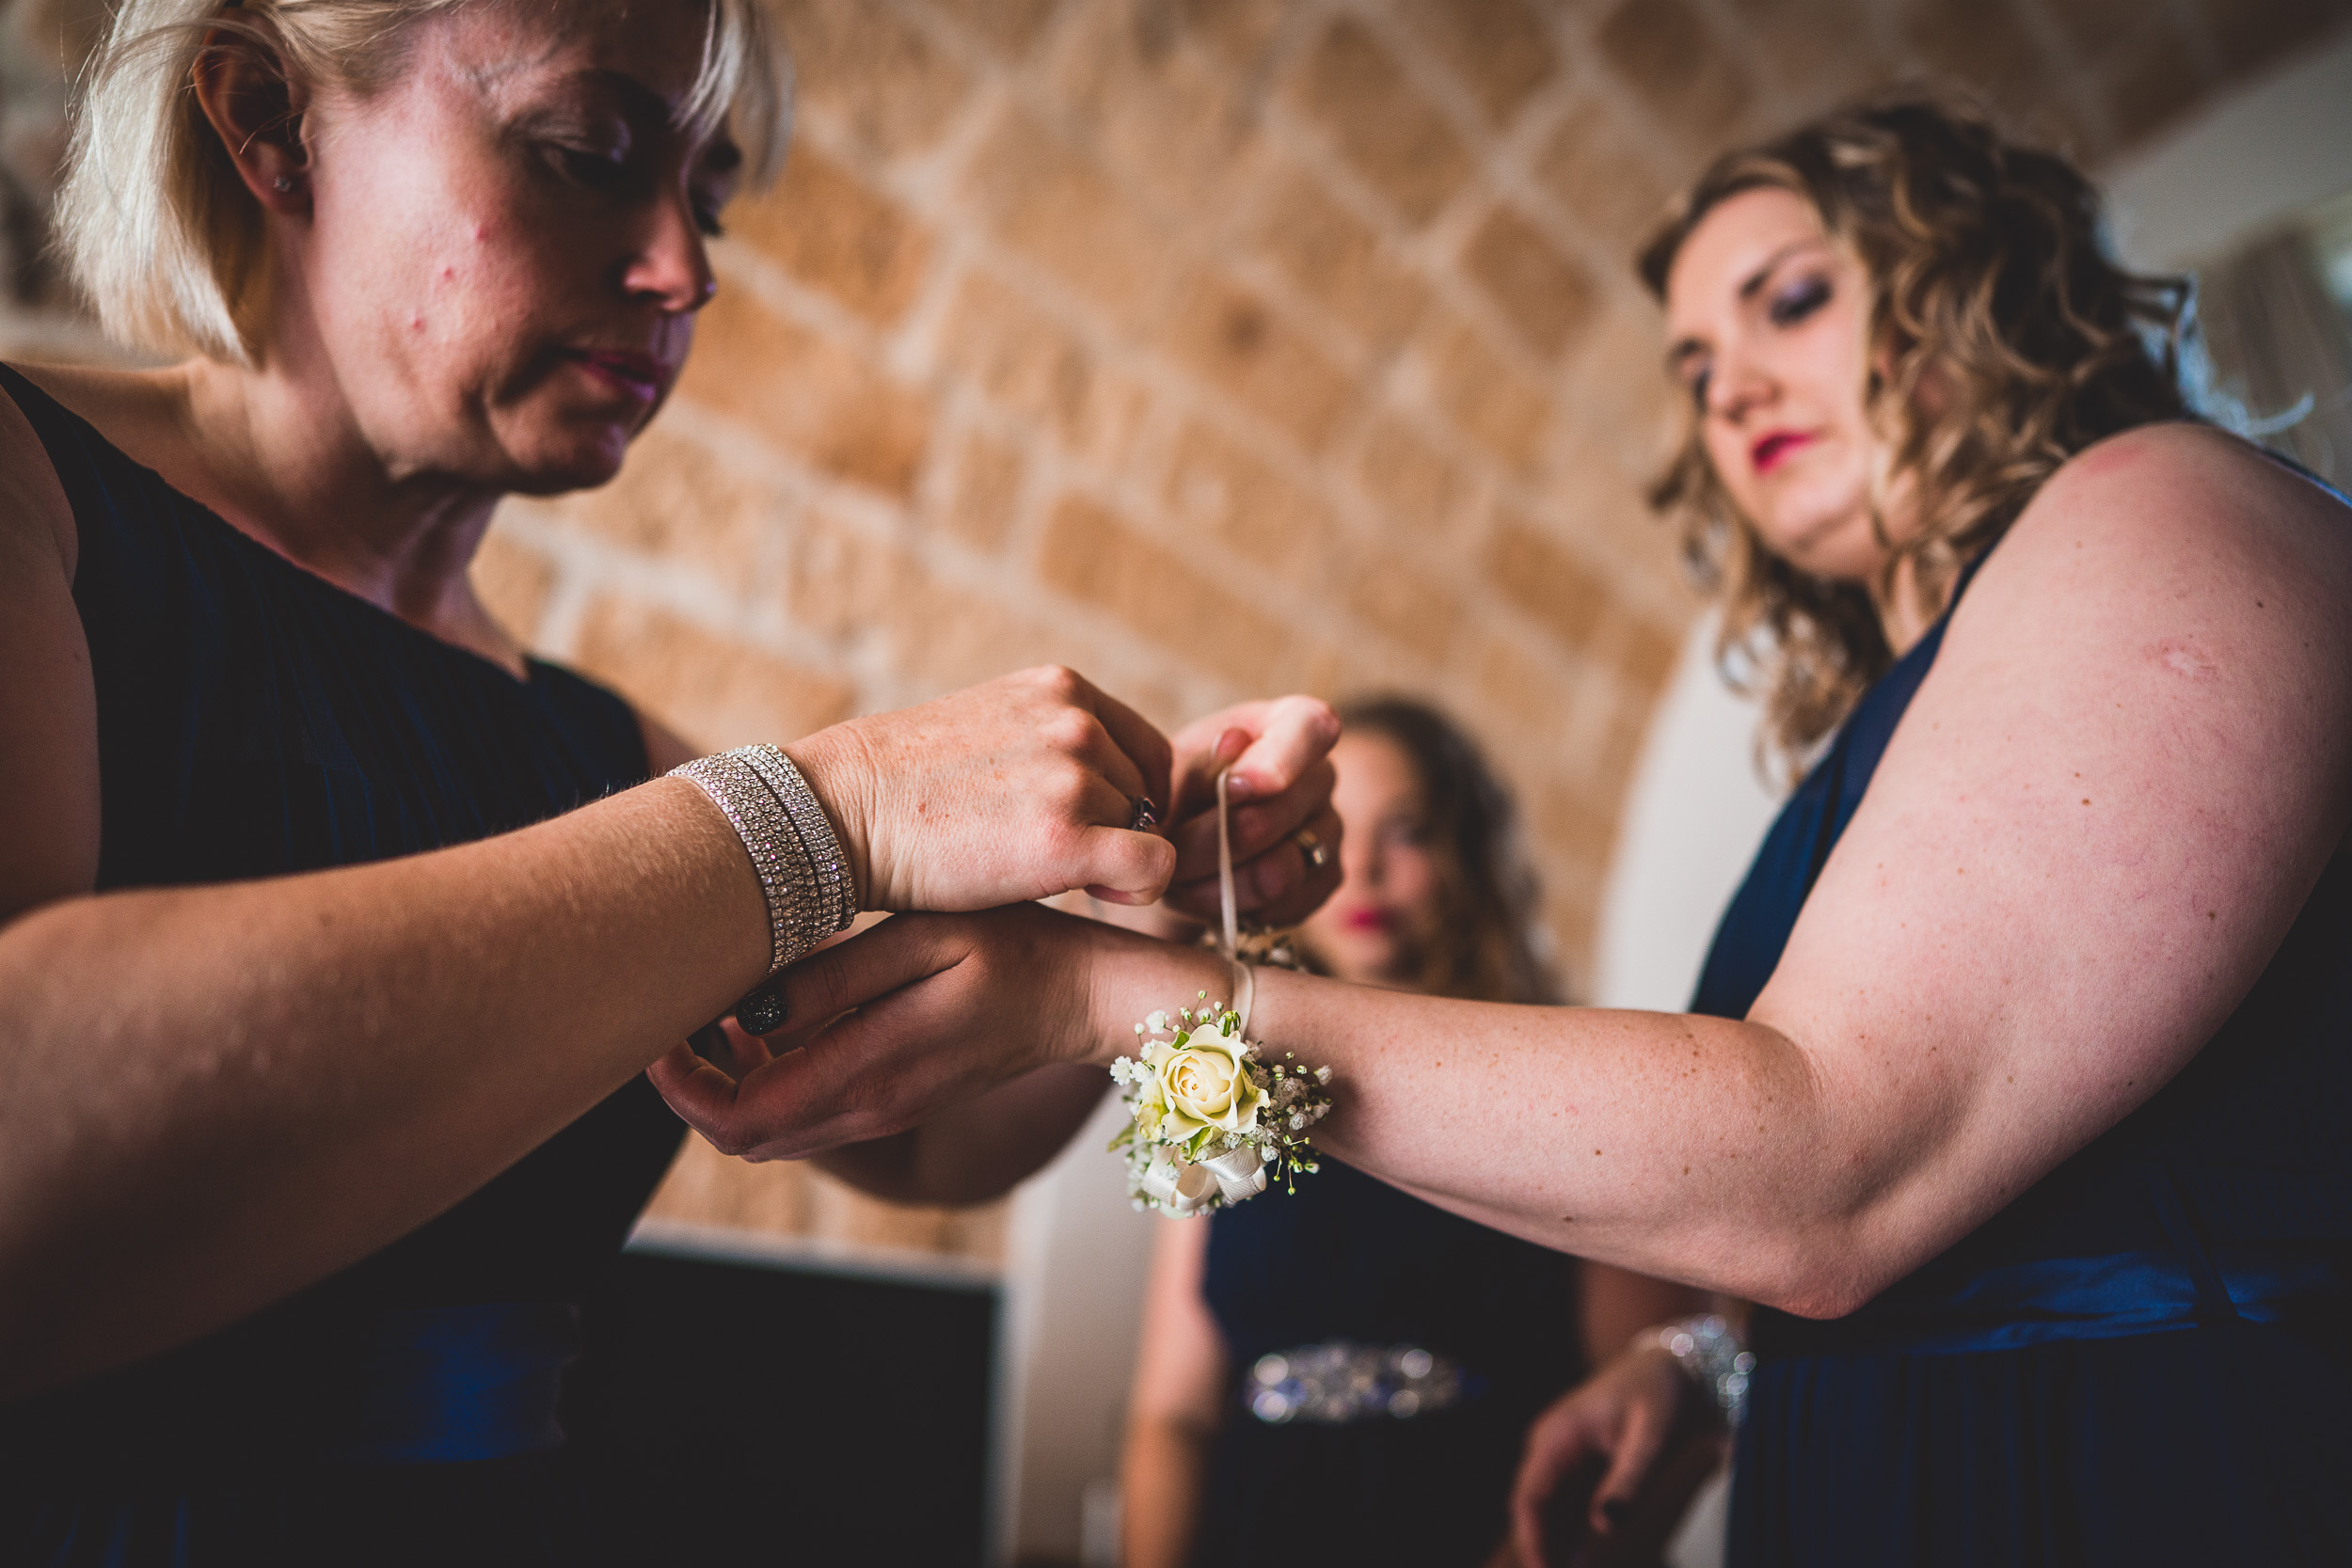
[1285, 835]
[947, 1007]
[1592, 1486]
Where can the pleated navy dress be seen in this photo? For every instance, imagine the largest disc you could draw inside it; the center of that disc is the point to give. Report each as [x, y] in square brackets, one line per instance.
[2145, 1360]
[1350, 1259]
[254, 720]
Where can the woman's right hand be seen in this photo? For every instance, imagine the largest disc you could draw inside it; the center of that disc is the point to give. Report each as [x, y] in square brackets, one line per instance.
[1017, 789]
[1591, 1479]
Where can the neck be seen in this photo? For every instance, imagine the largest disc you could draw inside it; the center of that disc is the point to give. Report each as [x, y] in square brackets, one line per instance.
[1904, 616]
[278, 453]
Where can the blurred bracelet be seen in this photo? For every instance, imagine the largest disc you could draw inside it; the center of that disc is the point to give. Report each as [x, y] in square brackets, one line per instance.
[1710, 1350]
[804, 877]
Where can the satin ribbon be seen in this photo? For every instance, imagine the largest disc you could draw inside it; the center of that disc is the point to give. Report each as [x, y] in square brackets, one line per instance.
[1183, 1185]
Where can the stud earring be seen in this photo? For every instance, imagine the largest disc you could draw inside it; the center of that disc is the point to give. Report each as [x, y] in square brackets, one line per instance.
[283, 184]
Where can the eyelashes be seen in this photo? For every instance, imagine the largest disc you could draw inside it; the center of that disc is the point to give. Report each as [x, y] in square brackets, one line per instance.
[1797, 301]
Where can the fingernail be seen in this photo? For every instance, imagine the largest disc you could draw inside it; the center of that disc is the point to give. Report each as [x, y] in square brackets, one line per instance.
[1238, 787]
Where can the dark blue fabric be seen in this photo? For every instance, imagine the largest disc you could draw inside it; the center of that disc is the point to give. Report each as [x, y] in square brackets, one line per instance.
[254, 720]
[1349, 1258]
[2144, 1358]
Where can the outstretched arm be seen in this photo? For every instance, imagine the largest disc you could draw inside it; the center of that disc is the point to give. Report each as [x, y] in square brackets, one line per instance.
[2086, 840]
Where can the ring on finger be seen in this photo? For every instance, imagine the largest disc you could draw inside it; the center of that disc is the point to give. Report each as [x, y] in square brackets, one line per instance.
[1311, 845]
[1142, 814]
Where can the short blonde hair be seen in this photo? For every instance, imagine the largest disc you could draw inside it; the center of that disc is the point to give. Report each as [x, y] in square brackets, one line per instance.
[153, 220]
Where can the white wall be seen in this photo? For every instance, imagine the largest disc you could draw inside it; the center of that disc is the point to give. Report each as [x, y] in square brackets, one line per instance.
[2281, 143]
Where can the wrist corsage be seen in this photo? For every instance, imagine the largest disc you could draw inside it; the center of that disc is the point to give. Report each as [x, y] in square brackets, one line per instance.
[1210, 1120]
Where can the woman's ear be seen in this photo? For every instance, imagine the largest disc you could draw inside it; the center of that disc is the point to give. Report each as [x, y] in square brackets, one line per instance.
[256, 108]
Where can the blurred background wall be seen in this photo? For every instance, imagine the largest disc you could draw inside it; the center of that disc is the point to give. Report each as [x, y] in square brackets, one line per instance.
[1218, 347]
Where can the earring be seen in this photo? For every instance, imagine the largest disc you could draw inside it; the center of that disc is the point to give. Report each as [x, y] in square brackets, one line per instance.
[283, 184]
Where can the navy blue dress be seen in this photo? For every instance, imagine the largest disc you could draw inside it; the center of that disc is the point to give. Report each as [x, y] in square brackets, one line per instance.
[2145, 1360]
[254, 720]
[1349, 1258]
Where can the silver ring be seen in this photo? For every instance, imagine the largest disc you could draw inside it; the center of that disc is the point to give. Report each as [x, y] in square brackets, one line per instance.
[1318, 852]
[1142, 814]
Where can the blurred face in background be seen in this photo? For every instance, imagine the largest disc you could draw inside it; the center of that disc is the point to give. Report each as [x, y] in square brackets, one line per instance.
[1385, 916]
[1766, 320]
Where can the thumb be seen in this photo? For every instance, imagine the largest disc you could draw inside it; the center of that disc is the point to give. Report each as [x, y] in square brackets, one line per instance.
[1638, 1442]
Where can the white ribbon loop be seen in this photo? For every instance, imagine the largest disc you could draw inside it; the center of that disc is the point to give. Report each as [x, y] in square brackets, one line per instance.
[1240, 1172]
[1231, 928]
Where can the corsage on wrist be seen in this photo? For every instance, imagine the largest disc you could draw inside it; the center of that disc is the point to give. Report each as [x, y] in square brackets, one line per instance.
[1211, 1121]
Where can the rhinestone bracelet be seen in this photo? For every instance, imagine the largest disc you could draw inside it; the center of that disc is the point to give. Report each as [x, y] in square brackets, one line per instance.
[1708, 1350]
[803, 875]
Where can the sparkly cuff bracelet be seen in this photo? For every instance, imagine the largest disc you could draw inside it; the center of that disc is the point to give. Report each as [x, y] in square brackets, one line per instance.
[803, 875]
[1710, 1351]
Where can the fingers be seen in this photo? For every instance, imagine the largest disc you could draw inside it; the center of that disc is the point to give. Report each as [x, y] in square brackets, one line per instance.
[1256, 827]
[1560, 1443]
[1124, 867]
[1296, 733]
[1280, 886]
[1148, 753]
[1640, 1436]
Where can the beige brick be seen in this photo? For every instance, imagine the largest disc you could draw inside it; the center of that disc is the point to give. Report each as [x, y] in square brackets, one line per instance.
[1092, 557]
[949, 637]
[1528, 693]
[1501, 49]
[512, 582]
[1160, 113]
[1055, 204]
[1575, 823]
[1602, 176]
[1338, 261]
[1236, 498]
[985, 495]
[1405, 600]
[1032, 366]
[834, 233]
[1643, 652]
[1386, 128]
[1237, 342]
[676, 499]
[1574, 916]
[1009, 27]
[2249, 35]
[1237, 31]
[869, 71]
[1481, 394]
[1787, 37]
[1409, 478]
[1549, 296]
[1669, 54]
[813, 396]
[1542, 578]
[712, 689]
[838, 577]
[1986, 46]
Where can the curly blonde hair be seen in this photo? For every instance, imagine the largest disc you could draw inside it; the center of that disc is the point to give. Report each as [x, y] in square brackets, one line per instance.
[1986, 274]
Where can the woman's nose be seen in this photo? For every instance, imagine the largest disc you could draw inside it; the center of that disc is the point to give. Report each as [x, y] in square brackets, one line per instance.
[673, 266]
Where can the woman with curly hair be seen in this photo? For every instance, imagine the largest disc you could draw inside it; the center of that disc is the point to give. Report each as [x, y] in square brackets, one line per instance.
[2015, 1086]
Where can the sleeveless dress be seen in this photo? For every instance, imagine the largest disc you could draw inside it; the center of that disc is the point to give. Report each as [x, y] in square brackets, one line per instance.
[2146, 1359]
[253, 721]
[1347, 1257]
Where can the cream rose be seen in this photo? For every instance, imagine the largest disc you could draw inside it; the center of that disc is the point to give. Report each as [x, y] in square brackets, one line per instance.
[1206, 1082]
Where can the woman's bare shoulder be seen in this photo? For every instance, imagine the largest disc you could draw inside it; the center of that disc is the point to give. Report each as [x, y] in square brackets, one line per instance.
[32, 501]
[2168, 511]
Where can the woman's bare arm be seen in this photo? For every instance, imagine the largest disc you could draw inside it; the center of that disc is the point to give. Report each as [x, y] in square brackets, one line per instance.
[1172, 1413]
[2089, 833]
[211, 1095]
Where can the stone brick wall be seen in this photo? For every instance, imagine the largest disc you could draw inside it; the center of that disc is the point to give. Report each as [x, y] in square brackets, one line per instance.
[1219, 347]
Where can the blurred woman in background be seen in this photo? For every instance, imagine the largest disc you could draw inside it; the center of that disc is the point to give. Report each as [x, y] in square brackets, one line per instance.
[1351, 1345]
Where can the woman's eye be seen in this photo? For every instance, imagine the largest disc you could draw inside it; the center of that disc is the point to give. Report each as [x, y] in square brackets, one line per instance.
[1797, 301]
[706, 219]
[596, 171]
[1699, 385]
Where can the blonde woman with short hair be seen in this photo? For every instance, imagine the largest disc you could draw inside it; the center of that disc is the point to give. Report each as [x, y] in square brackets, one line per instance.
[335, 933]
